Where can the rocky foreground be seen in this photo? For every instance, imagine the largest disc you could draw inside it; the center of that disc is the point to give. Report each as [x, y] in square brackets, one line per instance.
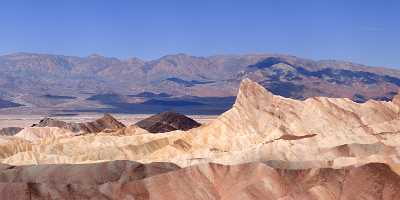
[131, 180]
[265, 147]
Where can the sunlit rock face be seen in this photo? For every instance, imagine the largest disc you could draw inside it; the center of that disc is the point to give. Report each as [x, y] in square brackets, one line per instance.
[265, 146]
[320, 132]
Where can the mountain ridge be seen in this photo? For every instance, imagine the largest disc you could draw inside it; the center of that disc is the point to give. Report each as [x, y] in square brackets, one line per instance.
[95, 55]
[26, 78]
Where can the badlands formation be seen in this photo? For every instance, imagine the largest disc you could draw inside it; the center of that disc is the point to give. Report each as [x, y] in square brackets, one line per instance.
[106, 122]
[265, 147]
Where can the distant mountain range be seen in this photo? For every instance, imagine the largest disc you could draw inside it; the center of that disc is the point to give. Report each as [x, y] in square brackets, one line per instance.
[55, 83]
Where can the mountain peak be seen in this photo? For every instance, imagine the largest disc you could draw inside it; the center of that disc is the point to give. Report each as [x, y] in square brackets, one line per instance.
[95, 55]
[180, 56]
[166, 122]
[250, 93]
[135, 60]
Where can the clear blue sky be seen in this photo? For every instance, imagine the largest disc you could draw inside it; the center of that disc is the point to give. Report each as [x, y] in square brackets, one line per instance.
[363, 31]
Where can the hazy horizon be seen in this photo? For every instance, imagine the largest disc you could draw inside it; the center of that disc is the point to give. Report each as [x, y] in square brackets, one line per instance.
[318, 30]
[199, 56]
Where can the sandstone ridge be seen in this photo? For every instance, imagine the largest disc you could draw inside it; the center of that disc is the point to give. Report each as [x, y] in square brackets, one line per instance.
[287, 133]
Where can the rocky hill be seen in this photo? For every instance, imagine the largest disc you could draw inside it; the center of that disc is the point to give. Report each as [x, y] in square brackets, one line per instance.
[166, 122]
[106, 122]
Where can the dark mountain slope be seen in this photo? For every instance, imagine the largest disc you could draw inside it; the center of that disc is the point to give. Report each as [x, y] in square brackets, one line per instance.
[294, 80]
[8, 104]
[167, 121]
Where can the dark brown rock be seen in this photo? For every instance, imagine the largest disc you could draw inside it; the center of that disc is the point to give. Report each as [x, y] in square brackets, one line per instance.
[167, 121]
[9, 131]
[106, 122]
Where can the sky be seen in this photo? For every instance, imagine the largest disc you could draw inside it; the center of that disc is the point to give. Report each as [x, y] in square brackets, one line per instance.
[362, 31]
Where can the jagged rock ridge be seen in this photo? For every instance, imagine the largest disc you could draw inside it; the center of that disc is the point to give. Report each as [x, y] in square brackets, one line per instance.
[106, 122]
[266, 146]
[287, 133]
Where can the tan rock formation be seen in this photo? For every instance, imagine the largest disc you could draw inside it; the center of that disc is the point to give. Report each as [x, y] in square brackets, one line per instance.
[287, 133]
[265, 147]
[40, 133]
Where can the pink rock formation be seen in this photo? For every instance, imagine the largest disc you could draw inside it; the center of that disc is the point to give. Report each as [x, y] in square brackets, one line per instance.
[129, 180]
